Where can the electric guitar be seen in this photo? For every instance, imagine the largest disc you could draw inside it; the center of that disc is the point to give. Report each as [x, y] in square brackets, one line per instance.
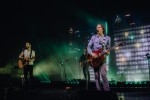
[95, 62]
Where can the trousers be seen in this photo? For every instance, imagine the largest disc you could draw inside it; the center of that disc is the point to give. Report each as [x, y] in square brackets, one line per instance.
[101, 74]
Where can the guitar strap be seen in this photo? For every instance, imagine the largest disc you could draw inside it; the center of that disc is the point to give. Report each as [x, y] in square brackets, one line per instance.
[30, 53]
[102, 42]
[23, 53]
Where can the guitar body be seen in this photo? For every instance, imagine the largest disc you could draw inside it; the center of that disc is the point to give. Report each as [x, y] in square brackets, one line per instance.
[22, 63]
[95, 62]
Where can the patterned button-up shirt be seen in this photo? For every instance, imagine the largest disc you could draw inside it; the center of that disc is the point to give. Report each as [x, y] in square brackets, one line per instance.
[97, 42]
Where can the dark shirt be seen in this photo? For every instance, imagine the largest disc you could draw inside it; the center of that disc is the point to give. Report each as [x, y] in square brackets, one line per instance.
[83, 59]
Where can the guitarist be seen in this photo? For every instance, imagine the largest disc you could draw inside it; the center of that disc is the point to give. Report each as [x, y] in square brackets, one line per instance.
[27, 57]
[100, 41]
[84, 65]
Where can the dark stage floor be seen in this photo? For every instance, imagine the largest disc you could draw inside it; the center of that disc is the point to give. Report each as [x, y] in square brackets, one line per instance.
[70, 93]
[13, 90]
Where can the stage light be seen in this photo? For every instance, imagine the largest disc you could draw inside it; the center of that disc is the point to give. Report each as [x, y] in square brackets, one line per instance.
[126, 34]
[132, 37]
[137, 45]
[142, 31]
[118, 19]
[128, 15]
[45, 81]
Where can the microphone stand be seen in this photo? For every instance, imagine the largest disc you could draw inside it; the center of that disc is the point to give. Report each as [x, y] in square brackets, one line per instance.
[87, 72]
[62, 78]
[87, 67]
[22, 74]
[22, 78]
[62, 63]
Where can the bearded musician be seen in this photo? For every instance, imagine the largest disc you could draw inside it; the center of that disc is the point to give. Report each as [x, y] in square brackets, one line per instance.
[27, 58]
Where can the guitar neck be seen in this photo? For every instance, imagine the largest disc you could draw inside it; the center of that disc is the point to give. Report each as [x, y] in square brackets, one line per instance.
[111, 48]
[104, 52]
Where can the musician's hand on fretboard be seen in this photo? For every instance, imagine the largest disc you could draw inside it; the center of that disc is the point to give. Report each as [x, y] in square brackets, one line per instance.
[107, 52]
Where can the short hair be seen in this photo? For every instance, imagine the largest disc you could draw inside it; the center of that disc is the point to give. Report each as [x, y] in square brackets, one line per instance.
[28, 42]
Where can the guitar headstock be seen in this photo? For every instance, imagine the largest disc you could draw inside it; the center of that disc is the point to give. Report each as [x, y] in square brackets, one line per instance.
[121, 44]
